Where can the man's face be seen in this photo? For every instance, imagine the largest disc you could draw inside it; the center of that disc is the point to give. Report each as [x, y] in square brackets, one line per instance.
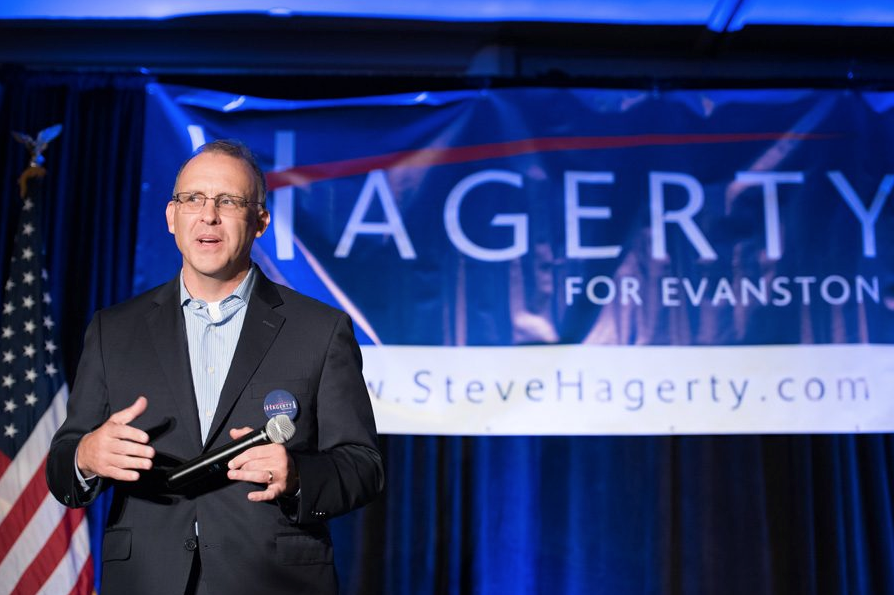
[215, 246]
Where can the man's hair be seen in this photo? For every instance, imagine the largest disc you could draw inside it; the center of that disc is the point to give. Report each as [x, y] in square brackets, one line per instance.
[238, 150]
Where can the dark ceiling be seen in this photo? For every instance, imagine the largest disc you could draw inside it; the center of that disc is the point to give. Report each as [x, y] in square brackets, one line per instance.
[330, 56]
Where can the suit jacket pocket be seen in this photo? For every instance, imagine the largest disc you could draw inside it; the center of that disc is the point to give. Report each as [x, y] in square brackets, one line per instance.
[116, 545]
[300, 550]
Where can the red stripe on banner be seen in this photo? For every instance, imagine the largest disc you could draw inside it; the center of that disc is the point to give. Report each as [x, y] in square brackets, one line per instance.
[84, 585]
[307, 174]
[26, 505]
[4, 463]
[48, 558]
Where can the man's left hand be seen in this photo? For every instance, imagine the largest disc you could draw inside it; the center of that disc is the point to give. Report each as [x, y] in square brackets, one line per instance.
[268, 464]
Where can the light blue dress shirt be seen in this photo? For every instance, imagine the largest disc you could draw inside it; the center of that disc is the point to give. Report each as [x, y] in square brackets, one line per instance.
[212, 331]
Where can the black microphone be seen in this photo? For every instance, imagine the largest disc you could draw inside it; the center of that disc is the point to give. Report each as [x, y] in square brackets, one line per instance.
[279, 429]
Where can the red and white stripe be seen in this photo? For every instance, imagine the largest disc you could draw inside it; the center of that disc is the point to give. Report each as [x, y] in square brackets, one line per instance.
[44, 546]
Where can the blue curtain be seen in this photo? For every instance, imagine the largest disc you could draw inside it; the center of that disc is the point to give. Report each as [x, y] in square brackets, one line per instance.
[688, 515]
[582, 515]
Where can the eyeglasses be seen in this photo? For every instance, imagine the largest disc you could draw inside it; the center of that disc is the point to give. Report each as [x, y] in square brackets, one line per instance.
[227, 204]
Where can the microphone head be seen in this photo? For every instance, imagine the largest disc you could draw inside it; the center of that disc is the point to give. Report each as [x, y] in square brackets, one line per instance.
[279, 429]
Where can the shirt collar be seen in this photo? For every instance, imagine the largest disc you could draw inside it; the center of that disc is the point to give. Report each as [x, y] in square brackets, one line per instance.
[242, 291]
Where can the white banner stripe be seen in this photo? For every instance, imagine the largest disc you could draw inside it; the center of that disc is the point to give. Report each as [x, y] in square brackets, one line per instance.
[609, 390]
[28, 459]
[30, 542]
[69, 568]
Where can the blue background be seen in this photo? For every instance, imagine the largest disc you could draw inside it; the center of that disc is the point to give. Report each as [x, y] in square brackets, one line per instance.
[444, 297]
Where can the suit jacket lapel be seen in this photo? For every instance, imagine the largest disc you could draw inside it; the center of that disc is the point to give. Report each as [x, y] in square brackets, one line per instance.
[259, 329]
[166, 328]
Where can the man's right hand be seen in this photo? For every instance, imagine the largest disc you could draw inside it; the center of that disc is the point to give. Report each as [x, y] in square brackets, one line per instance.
[115, 449]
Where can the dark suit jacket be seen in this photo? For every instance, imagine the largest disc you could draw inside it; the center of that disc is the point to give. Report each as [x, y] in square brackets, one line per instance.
[289, 342]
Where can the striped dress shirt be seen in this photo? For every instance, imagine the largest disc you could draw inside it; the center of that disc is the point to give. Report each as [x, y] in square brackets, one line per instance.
[212, 331]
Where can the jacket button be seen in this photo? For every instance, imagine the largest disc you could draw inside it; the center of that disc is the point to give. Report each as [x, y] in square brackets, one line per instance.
[190, 544]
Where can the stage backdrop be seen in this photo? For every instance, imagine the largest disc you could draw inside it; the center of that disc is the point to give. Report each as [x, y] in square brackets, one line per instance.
[558, 261]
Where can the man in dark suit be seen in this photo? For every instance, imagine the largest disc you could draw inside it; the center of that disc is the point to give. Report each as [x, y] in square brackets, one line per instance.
[164, 375]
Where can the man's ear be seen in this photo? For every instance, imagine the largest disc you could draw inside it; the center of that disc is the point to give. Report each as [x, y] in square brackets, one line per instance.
[169, 215]
[263, 222]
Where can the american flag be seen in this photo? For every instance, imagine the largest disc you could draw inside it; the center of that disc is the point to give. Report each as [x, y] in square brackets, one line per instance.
[44, 547]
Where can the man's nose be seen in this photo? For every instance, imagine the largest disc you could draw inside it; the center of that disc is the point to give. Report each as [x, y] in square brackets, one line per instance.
[210, 211]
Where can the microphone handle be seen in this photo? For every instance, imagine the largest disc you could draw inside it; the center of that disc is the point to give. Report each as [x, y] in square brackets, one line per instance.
[214, 460]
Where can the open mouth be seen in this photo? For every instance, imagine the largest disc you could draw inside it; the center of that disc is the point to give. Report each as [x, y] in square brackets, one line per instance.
[208, 241]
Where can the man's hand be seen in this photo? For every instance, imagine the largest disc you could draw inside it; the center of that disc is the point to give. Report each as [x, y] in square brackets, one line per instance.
[267, 464]
[115, 449]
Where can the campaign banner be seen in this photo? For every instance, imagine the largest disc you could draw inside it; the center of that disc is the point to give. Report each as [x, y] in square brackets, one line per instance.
[576, 261]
